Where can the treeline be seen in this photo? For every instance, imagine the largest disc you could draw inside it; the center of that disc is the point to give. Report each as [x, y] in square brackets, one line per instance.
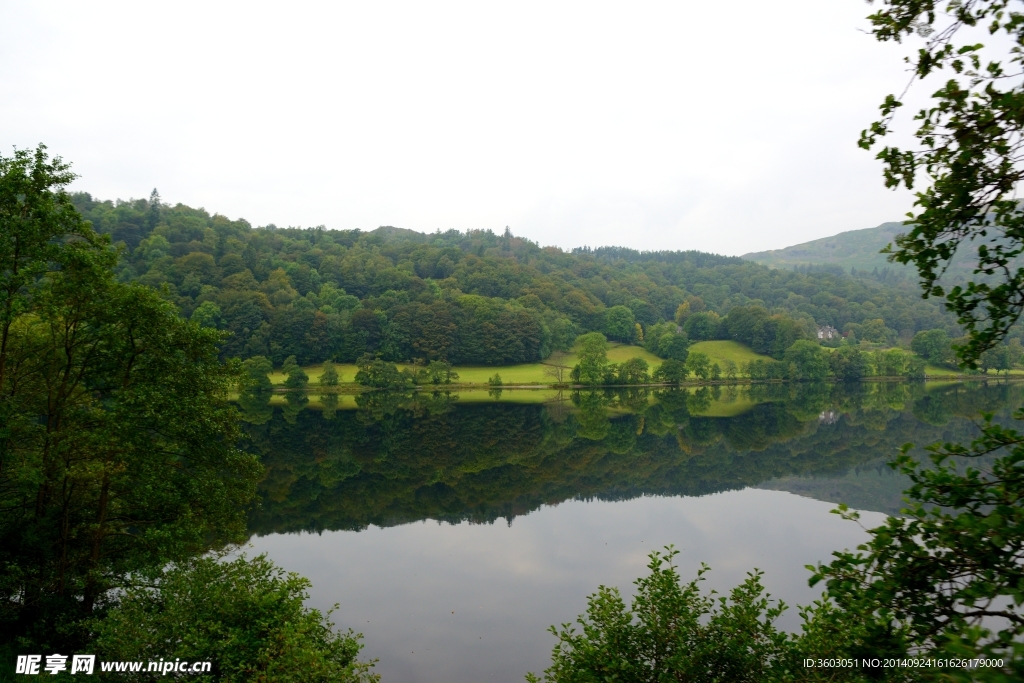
[465, 298]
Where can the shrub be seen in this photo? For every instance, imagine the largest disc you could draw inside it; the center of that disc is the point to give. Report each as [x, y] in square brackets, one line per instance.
[246, 617]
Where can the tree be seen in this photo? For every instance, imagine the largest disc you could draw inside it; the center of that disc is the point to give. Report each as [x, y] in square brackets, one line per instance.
[671, 371]
[40, 231]
[440, 372]
[633, 371]
[673, 345]
[933, 581]
[380, 374]
[592, 355]
[810, 360]
[495, 380]
[255, 373]
[716, 372]
[848, 364]
[557, 372]
[672, 631]
[702, 326]
[968, 158]
[699, 364]
[933, 345]
[620, 325]
[129, 462]
[207, 314]
[245, 616]
[329, 376]
[730, 369]
[930, 580]
[297, 378]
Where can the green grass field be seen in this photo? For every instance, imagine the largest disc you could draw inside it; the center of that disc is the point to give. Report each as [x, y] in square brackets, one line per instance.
[535, 373]
[527, 373]
[721, 351]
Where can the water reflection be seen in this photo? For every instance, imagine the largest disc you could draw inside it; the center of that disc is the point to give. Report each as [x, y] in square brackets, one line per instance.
[400, 493]
[401, 458]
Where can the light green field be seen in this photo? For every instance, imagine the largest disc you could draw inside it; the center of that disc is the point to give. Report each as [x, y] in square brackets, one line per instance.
[937, 371]
[617, 353]
[721, 351]
[346, 372]
[527, 373]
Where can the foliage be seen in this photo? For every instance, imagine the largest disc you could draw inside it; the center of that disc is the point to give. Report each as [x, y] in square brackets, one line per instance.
[297, 378]
[117, 442]
[463, 297]
[764, 333]
[931, 581]
[968, 157]
[379, 374]
[731, 369]
[245, 616]
[671, 372]
[702, 326]
[699, 364]
[807, 360]
[1002, 357]
[933, 345]
[255, 374]
[633, 371]
[671, 632]
[592, 356]
[495, 381]
[437, 372]
[848, 364]
[620, 325]
[329, 377]
[767, 370]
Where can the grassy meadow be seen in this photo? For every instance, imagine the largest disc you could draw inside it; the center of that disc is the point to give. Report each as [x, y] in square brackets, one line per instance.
[529, 374]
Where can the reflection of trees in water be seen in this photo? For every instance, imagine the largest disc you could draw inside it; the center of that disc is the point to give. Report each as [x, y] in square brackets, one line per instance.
[405, 457]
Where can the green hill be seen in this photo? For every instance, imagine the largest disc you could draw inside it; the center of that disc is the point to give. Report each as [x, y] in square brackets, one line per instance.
[852, 249]
[857, 252]
[477, 299]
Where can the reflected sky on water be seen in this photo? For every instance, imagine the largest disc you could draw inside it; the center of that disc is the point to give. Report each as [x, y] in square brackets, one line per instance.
[472, 602]
[540, 506]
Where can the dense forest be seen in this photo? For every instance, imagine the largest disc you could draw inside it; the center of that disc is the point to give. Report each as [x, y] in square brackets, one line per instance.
[470, 298]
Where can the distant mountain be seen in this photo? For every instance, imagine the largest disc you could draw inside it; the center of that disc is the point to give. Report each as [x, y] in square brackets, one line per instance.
[859, 249]
[853, 249]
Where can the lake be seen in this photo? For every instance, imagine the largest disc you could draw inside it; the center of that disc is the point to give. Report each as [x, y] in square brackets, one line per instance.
[453, 530]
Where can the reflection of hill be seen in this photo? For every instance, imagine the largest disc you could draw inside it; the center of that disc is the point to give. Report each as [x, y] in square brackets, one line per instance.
[398, 459]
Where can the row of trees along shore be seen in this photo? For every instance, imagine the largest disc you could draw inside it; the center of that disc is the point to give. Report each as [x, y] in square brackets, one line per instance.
[805, 360]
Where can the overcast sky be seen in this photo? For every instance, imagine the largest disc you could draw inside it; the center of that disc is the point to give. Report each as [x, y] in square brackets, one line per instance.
[726, 127]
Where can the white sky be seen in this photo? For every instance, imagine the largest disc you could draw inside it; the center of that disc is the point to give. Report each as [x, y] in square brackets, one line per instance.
[725, 127]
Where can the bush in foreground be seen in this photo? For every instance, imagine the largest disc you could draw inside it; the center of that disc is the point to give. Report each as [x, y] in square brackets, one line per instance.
[245, 616]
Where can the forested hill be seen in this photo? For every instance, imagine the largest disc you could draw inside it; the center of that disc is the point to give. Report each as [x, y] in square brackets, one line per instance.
[472, 297]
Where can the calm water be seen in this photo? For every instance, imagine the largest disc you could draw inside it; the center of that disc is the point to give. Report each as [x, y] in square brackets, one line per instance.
[453, 531]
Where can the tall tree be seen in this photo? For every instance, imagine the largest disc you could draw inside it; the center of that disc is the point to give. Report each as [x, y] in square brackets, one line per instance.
[117, 442]
[969, 157]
